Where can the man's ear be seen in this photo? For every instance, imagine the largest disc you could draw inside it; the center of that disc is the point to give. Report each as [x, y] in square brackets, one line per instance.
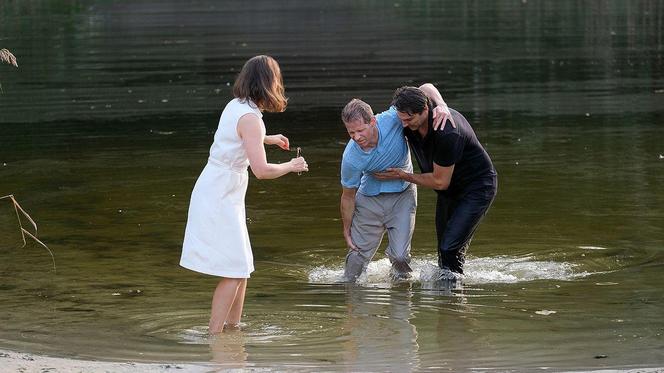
[373, 120]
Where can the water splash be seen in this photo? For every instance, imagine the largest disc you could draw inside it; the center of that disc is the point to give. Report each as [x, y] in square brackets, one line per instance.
[500, 269]
[505, 269]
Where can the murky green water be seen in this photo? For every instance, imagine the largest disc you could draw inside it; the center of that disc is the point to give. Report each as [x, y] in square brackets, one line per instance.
[108, 121]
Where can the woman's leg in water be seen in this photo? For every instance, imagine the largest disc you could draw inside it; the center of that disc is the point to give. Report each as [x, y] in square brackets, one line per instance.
[222, 302]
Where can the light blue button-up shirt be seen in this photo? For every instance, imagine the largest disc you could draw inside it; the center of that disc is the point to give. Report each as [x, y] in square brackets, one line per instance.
[391, 151]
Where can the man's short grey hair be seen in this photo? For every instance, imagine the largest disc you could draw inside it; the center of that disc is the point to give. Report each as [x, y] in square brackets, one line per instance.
[356, 109]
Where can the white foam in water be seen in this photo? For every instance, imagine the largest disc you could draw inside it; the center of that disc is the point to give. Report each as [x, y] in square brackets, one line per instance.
[502, 269]
[505, 269]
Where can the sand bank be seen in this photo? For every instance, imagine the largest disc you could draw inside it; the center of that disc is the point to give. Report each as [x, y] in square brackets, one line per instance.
[11, 361]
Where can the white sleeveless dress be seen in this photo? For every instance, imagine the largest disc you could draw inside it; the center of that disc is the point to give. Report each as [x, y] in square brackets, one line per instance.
[216, 241]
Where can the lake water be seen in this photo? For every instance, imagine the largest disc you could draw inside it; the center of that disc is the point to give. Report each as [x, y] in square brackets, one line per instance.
[108, 120]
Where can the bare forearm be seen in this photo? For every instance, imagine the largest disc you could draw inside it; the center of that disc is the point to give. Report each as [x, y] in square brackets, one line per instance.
[433, 94]
[426, 180]
[347, 209]
[271, 170]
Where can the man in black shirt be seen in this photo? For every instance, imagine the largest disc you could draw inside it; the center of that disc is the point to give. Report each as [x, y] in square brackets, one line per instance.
[453, 163]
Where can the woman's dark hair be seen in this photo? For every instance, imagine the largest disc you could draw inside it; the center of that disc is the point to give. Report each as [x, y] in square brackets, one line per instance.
[410, 100]
[260, 81]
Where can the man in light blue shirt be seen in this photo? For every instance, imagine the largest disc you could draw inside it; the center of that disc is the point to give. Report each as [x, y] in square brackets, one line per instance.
[369, 207]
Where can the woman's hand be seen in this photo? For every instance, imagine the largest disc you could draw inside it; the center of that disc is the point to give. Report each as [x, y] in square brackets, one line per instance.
[440, 115]
[298, 165]
[278, 140]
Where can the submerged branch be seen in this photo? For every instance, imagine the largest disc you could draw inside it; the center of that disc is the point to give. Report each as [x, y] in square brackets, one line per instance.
[24, 232]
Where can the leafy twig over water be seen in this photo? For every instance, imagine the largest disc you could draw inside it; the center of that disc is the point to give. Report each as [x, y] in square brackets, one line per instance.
[24, 232]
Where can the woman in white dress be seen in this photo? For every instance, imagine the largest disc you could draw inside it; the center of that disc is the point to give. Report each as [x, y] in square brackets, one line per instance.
[216, 241]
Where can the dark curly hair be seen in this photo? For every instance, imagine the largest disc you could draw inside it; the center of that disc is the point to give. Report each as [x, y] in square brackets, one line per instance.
[410, 100]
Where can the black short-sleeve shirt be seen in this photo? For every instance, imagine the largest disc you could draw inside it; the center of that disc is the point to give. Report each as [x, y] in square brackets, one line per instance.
[454, 146]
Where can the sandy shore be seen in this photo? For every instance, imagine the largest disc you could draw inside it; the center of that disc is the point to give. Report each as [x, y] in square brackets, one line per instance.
[11, 361]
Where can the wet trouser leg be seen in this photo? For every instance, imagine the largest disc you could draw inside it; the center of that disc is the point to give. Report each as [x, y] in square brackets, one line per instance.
[366, 231]
[373, 216]
[456, 221]
[400, 224]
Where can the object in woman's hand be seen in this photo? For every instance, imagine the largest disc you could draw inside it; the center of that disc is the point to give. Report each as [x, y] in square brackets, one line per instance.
[298, 155]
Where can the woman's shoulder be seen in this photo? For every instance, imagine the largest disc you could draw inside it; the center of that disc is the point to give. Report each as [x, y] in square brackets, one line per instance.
[243, 106]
